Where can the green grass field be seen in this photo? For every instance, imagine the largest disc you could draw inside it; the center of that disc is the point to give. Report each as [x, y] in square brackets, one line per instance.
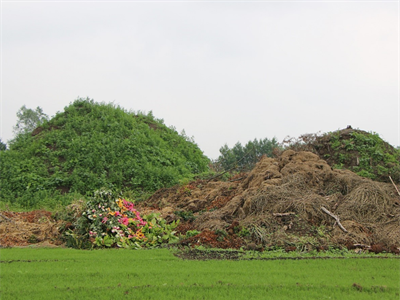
[157, 274]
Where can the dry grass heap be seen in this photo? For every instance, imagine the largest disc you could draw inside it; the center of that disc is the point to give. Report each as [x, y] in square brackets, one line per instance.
[280, 202]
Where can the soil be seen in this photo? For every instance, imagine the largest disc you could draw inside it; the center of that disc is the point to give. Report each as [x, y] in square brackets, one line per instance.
[277, 204]
[196, 254]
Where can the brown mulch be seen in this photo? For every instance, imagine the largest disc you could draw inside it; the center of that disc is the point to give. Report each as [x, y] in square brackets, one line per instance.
[21, 229]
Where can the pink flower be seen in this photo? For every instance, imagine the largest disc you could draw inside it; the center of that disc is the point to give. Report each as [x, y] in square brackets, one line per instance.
[124, 221]
[129, 205]
[117, 214]
[104, 220]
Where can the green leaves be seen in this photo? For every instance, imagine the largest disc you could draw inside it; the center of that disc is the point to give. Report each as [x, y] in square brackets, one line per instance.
[28, 119]
[93, 145]
[245, 157]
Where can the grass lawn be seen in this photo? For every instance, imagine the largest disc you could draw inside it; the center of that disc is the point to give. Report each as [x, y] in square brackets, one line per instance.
[60, 273]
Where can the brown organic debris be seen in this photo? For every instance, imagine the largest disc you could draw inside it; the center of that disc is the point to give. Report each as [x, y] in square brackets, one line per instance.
[27, 228]
[280, 203]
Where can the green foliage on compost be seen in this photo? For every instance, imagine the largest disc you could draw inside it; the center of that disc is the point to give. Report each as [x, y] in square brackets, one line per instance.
[367, 155]
[364, 153]
[93, 145]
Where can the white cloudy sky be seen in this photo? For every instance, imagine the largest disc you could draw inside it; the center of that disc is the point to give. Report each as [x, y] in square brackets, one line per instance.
[223, 71]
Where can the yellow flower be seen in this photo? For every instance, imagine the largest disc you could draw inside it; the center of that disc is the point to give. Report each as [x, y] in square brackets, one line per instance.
[120, 203]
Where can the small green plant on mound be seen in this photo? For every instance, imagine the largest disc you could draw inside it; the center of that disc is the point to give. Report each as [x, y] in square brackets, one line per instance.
[110, 222]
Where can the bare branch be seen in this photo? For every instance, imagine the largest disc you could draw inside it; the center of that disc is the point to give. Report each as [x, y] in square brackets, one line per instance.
[335, 217]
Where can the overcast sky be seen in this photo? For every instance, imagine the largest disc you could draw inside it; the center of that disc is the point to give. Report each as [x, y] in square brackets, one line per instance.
[222, 71]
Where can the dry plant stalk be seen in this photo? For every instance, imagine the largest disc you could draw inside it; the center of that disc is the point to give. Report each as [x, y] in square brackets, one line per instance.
[335, 217]
[283, 214]
[394, 185]
[361, 246]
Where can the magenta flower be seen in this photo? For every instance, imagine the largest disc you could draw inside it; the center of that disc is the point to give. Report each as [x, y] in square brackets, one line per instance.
[129, 205]
[124, 221]
[104, 220]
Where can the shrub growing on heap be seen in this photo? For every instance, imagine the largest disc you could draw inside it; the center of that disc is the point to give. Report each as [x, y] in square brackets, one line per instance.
[92, 145]
[364, 153]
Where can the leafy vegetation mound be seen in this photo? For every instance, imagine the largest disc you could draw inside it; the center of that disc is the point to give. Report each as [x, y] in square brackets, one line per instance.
[90, 146]
[364, 153]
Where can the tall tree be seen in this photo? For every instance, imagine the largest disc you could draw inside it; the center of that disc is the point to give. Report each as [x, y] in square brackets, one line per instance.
[3, 146]
[29, 119]
[245, 157]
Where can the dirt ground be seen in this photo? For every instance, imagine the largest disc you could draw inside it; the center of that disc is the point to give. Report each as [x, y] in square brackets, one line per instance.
[296, 201]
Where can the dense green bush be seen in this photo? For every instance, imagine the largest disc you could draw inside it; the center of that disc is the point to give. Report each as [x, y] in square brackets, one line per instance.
[93, 145]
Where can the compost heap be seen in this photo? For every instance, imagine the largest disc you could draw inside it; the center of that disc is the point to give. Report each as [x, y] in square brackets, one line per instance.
[280, 203]
[29, 228]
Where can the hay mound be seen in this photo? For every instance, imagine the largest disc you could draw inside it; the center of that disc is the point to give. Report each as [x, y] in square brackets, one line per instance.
[368, 202]
[280, 201]
[28, 228]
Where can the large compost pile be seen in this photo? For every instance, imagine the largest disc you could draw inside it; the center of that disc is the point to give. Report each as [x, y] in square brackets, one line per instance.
[294, 201]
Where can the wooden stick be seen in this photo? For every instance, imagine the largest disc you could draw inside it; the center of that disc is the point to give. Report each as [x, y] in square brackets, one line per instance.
[6, 218]
[236, 179]
[394, 185]
[335, 217]
[283, 214]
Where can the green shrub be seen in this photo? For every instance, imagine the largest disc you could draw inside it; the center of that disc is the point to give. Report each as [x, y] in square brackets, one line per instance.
[93, 145]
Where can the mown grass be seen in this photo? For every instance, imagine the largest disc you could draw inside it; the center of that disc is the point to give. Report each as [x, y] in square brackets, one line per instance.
[157, 274]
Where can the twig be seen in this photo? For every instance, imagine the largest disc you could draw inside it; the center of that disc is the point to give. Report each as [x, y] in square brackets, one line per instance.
[237, 179]
[394, 185]
[335, 217]
[361, 246]
[283, 214]
[6, 218]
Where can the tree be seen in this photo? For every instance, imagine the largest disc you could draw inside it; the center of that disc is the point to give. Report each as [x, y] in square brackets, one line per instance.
[3, 146]
[244, 158]
[29, 119]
